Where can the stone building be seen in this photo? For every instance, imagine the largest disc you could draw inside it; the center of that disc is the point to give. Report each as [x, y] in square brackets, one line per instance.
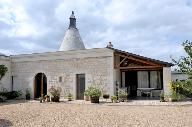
[74, 68]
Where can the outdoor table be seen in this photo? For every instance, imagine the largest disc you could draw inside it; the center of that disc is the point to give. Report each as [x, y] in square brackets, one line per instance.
[146, 90]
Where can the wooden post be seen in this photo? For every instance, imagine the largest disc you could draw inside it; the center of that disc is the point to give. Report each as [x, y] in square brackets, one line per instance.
[114, 58]
[158, 80]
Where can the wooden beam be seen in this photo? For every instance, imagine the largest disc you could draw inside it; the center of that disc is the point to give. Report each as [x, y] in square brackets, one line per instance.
[121, 62]
[136, 59]
[142, 61]
[140, 67]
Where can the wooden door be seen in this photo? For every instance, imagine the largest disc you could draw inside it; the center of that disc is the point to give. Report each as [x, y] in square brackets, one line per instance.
[80, 86]
[40, 85]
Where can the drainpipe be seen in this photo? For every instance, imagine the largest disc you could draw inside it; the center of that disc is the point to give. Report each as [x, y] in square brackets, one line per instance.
[12, 82]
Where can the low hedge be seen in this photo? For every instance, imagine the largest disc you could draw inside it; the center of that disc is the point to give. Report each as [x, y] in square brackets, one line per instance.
[11, 95]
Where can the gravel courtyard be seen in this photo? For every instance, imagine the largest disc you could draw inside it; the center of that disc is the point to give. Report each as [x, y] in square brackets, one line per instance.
[35, 114]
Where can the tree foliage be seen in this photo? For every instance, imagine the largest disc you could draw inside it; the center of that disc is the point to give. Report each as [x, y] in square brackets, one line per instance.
[3, 70]
[185, 62]
[185, 66]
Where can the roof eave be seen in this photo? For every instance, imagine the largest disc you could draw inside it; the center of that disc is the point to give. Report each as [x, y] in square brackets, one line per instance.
[165, 64]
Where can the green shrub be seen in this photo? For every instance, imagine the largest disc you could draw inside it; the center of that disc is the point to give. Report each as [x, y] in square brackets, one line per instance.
[122, 94]
[27, 94]
[86, 93]
[114, 99]
[10, 95]
[187, 88]
[93, 91]
[183, 87]
[55, 91]
[176, 96]
[3, 70]
[2, 98]
[162, 97]
[14, 94]
[41, 98]
[70, 97]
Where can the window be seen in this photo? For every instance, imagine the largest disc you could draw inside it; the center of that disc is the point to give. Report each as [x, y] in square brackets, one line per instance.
[149, 79]
[143, 81]
[153, 79]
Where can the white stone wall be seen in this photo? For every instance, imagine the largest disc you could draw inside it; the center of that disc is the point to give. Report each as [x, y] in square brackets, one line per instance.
[166, 79]
[6, 80]
[96, 64]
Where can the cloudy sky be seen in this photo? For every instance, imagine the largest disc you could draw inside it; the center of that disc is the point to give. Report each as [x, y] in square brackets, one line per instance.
[152, 28]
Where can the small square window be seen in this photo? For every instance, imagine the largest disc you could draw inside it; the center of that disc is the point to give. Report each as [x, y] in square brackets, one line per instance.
[60, 79]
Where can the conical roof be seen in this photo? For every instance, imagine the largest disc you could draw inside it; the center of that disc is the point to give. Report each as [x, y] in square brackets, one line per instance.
[72, 39]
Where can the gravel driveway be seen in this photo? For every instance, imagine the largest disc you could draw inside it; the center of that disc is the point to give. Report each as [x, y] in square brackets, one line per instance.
[35, 114]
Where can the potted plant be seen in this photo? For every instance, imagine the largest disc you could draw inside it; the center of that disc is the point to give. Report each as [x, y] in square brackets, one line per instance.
[122, 94]
[28, 95]
[162, 97]
[41, 98]
[86, 95]
[2, 98]
[94, 94]
[70, 97]
[44, 97]
[47, 98]
[106, 96]
[55, 92]
[114, 99]
[176, 96]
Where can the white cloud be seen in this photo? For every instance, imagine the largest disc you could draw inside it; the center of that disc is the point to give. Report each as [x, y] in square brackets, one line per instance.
[6, 52]
[15, 15]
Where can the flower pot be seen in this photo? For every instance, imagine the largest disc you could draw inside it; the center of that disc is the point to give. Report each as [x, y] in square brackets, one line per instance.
[162, 99]
[106, 96]
[27, 97]
[174, 100]
[94, 99]
[55, 99]
[48, 99]
[169, 99]
[114, 101]
[69, 98]
[122, 98]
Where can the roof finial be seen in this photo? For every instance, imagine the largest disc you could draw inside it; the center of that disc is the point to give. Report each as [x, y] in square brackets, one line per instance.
[72, 21]
[110, 45]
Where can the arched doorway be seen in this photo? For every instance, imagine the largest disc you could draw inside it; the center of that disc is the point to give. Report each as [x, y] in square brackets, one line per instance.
[40, 85]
